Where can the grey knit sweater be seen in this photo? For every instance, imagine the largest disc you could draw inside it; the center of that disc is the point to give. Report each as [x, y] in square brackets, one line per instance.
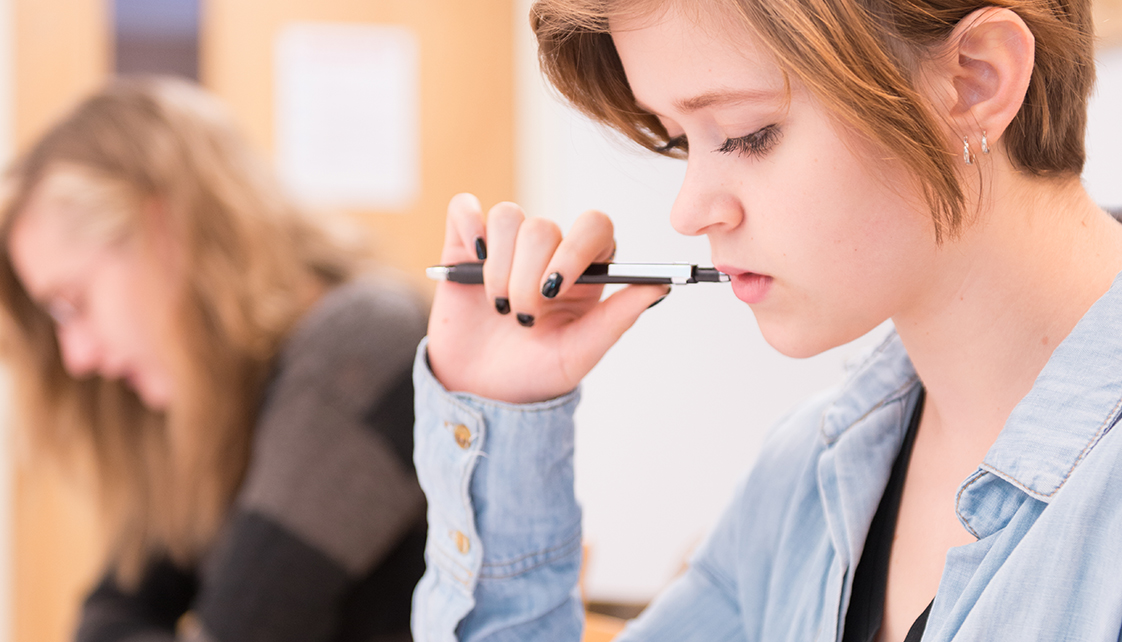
[326, 536]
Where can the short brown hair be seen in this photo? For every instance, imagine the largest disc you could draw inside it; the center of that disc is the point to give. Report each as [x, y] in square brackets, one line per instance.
[859, 58]
[249, 259]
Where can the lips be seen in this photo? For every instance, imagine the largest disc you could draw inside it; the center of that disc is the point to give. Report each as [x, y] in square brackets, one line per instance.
[749, 287]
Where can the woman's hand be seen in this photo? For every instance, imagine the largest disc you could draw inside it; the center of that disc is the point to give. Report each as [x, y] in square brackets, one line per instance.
[509, 340]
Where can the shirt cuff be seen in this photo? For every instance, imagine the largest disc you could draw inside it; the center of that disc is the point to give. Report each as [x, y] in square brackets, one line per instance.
[499, 482]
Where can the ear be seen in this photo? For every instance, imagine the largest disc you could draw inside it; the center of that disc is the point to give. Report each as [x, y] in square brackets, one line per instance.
[983, 75]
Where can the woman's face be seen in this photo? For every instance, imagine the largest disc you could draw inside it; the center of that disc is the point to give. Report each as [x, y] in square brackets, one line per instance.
[824, 238]
[106, 300]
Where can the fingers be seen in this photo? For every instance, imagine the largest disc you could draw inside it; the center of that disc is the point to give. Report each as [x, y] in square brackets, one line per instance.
[503, 223]
[464, 234]
[528, 262]
[538, 239]
[602, 327]
[589, 240]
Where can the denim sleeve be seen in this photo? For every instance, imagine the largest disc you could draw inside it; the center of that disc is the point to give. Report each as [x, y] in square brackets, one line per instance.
[702, 604]
[692, 609]
[504, 540]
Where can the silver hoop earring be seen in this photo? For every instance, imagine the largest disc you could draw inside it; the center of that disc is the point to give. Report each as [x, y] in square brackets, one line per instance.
[966, 157]
[985, 144]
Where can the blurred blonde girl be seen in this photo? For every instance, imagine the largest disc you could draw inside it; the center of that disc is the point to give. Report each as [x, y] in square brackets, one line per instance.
[240, 390]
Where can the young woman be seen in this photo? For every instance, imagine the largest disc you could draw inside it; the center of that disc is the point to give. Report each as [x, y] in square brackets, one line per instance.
[850, 162]
[243, 396]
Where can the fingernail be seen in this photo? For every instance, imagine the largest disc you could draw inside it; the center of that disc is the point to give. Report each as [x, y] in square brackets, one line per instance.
[480, 248]
[502, 304]
[659, 300]
[552, 285]
[526, 320]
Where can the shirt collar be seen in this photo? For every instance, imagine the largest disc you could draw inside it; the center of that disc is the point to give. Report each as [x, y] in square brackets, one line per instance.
[862, 429]
[1074, 402]
[883, 376]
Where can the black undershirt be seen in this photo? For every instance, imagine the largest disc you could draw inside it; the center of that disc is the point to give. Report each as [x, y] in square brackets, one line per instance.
[866, 602]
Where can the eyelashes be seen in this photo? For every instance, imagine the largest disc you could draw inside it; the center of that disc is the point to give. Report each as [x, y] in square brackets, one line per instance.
[758, 143]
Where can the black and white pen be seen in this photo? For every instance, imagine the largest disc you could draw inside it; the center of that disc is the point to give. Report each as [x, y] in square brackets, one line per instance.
[471, 273]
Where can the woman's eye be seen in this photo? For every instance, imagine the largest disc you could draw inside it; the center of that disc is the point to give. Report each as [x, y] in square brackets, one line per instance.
[757, 143]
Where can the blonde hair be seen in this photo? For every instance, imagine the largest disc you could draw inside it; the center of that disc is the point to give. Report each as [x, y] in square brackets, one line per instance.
[859, 58]
[249, 259]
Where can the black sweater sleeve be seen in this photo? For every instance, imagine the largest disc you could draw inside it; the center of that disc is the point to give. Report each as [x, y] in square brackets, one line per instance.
[151, 611]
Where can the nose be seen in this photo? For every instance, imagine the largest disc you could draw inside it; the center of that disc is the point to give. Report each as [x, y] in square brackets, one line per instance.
[81, 351]
[707, 201]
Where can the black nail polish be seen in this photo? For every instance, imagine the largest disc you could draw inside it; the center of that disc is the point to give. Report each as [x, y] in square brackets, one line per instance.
[502, 304]
[659, 300]
[526, 320]
[552, 285]
[480, 248]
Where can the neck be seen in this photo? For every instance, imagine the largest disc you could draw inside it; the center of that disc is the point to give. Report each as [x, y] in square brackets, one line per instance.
[1005, 293]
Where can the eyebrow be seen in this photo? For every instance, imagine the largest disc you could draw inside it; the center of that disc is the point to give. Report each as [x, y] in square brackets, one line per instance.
[719, 97]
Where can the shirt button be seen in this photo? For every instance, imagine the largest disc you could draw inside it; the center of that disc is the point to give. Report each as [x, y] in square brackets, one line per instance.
[463, 544]
[462, 435]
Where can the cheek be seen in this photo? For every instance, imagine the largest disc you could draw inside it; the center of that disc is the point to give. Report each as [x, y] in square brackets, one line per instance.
[133, 313]
[116, 304]
[148, 344]
[847, 237]
[848, 214]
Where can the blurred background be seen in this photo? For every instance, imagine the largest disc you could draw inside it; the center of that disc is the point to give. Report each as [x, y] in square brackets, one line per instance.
[383, 109]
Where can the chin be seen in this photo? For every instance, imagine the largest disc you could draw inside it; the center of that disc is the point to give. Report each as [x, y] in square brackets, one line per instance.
[802, 341]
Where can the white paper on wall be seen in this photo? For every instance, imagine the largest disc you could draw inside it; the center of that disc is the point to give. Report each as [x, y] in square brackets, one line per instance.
[347, 114]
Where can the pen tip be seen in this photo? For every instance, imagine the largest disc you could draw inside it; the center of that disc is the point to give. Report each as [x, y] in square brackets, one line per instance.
[711, 275]
[437, 273]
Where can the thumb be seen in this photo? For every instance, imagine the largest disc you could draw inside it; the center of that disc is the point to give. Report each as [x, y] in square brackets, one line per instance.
[603, 326]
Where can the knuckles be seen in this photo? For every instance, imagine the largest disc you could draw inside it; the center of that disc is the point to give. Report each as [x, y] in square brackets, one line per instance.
[506, 212]
[464, 203]
[596, 223]
[540, 231]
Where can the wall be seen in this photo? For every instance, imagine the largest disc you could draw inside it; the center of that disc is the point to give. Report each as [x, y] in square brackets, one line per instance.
[6, 146]
[1103, 173]
[675, 413]
[464, 79]
[60, 52]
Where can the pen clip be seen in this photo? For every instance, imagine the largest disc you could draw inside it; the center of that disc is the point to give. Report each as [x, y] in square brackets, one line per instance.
[677, 273]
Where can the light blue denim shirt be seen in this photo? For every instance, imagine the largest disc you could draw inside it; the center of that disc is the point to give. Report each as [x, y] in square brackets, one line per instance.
[1045, 506]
